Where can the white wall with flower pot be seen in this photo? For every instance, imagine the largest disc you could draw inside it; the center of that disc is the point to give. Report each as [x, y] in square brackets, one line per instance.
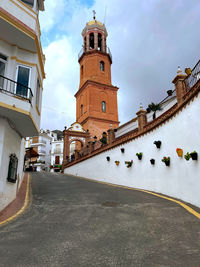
[180, 180]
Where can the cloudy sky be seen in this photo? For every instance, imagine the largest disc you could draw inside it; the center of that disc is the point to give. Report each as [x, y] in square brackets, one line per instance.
[148, 39]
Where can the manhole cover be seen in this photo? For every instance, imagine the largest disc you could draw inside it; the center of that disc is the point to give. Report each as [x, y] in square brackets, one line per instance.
[110, 204]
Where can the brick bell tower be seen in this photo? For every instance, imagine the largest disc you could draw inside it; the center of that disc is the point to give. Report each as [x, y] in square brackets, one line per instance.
[96, 99]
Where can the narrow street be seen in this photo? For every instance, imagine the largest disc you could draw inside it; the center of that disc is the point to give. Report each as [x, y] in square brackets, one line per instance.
[74, 222]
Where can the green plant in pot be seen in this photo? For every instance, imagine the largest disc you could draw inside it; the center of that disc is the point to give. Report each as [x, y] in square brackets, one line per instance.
[194, 155]
[166, 160]
[129, 163]
[187, 156]
[139, 155]
[154, 107]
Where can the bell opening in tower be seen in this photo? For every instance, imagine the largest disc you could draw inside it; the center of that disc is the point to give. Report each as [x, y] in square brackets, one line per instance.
[99, 42]
[92, 40]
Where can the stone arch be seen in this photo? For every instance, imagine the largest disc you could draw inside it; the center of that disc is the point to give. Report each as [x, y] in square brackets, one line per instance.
[75, 133]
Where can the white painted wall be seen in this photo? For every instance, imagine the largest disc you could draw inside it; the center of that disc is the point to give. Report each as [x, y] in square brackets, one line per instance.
[10, 142]
[180, 180]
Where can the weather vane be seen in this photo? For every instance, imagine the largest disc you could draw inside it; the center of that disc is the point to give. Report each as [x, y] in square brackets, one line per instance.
[94, 14]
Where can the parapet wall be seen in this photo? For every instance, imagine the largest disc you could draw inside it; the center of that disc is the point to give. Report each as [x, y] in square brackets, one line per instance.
[179, 127]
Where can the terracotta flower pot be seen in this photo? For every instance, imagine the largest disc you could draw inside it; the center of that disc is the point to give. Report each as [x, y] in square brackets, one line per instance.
[117, 162]
[179, 152]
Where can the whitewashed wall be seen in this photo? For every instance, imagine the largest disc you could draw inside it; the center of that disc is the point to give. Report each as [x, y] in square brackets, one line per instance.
[180, 180]
[10, 143]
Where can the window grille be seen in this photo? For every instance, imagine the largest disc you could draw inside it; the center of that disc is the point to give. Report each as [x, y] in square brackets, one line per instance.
[12, 169]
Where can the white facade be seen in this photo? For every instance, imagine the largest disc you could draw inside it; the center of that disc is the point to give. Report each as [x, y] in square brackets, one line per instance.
[180, 180]
[57, 152]
[43, 148]
[21, 78]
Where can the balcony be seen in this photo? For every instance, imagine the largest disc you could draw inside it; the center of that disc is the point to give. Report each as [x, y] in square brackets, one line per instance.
[11, 87]
[39, 143]
[41, 152]
[107, 52]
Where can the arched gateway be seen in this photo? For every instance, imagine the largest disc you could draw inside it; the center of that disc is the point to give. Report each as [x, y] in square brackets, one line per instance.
[75, 133]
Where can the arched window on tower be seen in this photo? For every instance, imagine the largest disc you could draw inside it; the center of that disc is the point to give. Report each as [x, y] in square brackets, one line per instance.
[82, 71]
[92, 40]
[102, 66]
[103, 106]
[81, 109]
[99, 41]
[85, 44]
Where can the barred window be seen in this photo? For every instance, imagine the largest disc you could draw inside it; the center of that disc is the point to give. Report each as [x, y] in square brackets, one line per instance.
[12, 169]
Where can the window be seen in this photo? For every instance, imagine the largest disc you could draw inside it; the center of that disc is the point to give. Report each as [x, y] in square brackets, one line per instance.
[103, 106]
[12, 169]
[28, 2]
[82, 71]
[102, 66]
[81, 109]
[38, 94]
[23, 78]
[3, 60]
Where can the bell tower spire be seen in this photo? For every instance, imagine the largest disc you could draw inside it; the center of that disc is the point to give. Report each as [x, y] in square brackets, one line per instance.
[96, 99]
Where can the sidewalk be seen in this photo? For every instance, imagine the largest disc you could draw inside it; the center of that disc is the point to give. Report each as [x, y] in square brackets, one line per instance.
[18, 205]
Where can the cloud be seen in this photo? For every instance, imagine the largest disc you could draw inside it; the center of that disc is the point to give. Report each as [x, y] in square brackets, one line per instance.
[148, 39]
[58, 107]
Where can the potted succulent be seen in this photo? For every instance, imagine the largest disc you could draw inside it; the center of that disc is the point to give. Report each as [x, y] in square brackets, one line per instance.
[139, 155]
[129, 163]
[194, 155]
[187, 156]
[108, 158]
[157, 143]
[179, 152]
[154, 107]
[122, 150]
[152, 161]
[117, 162]
[166, 160]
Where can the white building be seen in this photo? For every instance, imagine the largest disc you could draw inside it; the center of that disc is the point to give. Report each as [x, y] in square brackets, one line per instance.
[42, 146]
[56, 153]
[21, 79]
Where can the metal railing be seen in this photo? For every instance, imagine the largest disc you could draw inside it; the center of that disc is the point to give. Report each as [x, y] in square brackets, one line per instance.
[192, 79]
[42, 152]
[83, 51]
[14, 88]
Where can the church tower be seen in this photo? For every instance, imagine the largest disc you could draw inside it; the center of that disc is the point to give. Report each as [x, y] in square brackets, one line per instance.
[96, 99]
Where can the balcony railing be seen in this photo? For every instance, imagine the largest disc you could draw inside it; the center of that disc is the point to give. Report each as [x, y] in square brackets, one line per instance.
[9, 86]
[82, 52]
[41, 152]
[192, 79]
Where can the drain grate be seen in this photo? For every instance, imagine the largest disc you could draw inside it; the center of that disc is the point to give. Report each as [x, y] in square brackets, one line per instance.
[110, 204]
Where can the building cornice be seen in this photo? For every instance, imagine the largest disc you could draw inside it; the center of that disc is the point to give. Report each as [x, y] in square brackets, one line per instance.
[20, 111]
[89, 82]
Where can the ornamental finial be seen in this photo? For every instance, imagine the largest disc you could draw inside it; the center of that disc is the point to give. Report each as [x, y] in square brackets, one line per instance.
[94, 14]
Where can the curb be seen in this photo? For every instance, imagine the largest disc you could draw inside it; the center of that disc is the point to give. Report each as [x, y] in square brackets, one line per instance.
[25, 204]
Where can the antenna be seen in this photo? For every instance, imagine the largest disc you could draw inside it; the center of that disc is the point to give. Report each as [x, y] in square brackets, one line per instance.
[105, 15]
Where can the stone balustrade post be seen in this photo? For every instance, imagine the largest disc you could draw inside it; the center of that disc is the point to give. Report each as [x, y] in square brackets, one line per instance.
[111, 136]
[180, 85]
[142, 118]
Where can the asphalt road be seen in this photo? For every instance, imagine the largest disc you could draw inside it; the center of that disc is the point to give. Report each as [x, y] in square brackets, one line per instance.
[73, 222]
